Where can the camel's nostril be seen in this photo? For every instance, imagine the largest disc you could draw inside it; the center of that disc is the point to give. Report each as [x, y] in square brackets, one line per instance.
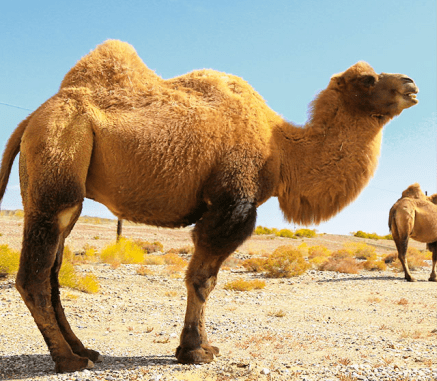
[407, 80]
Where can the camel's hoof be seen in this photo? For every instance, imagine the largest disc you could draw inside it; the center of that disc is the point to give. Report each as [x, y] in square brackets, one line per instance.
[204, 354]
[432, 279]
[73, 365]
[94, 356]
[411, 279]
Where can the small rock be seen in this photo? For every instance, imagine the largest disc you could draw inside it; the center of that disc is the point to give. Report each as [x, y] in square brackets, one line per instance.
[265, 371]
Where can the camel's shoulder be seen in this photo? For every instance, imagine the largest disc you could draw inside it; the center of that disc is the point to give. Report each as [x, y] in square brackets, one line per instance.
[113, 64]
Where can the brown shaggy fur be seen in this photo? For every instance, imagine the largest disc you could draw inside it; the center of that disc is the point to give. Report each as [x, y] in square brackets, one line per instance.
[414, 215]
[203, 149]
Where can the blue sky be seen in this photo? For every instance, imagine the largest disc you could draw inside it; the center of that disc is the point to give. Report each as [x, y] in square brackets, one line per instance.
[287, 50]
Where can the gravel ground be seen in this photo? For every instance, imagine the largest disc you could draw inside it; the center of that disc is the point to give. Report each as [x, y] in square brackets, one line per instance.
[318, 326]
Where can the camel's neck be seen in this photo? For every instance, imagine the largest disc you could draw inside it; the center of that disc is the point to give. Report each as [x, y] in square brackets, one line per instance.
[327, 163]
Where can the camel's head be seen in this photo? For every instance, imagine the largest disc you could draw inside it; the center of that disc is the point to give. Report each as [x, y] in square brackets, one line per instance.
[378, 95]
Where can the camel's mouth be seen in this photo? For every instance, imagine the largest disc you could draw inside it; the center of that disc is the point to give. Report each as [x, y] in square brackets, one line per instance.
[411, 97]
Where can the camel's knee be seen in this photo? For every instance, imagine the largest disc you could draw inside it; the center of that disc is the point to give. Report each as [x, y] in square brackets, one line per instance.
[202, 286]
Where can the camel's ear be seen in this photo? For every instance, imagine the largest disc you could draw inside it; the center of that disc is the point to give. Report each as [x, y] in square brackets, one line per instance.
[367, 80]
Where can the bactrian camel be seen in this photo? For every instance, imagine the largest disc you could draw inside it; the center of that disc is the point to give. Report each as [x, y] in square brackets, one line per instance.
[414, 215]
[202, 149]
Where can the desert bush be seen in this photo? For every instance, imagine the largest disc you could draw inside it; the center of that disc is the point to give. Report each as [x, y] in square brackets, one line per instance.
[305, 233]
[390, 258]
[144, 270]
[318, 255]
[341, 263]
[415, 259]
[9, 260]
[261, 230]
[90, 220]
[285, 233]
[361, 250]
[174, 260]
[185, 250]
[19, 213]
[244, 285]
[231, 262]
[254, 264]
[374, 265]
[88, 284]
[153, 260]
[318, 251]
[90, 254]
[123, 251]
[286, 261]
[150, 247]
[68, 277]
[361, 234]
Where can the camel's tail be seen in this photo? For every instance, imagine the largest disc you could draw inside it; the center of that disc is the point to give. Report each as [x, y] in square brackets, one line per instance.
[391, 219]
[11, 151]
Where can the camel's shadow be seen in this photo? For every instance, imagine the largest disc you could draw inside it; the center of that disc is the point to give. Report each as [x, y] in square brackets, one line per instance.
[31, 366]
[377, 278]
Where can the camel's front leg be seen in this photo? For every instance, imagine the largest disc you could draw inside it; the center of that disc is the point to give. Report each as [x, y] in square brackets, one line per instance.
[200, 281]
[432, 247]
[221, 230]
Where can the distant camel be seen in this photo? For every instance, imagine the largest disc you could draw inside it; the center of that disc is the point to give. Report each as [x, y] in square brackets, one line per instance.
[414, 215]
[203, 149]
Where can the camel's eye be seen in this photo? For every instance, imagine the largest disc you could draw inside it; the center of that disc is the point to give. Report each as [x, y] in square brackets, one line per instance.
[367, 80]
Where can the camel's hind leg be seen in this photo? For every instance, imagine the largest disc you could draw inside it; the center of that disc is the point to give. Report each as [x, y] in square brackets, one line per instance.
[53, 173]
[432, 247]
[76, 345]
[220, 231]
[402, 246]
[38, 285]
[402, 225]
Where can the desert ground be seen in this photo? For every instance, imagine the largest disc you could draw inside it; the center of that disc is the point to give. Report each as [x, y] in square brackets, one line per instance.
[318, 326]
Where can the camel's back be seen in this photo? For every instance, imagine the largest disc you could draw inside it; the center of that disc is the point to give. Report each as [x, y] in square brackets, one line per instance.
[423, 216]
[114, 74]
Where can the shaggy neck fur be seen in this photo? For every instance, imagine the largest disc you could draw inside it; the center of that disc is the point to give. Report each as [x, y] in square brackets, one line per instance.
[326, 164]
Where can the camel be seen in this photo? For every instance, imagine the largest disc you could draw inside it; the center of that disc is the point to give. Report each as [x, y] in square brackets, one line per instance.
[202, 148]
[414, 215]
